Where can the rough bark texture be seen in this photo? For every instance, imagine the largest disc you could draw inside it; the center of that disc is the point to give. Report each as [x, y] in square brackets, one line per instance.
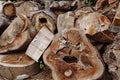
[72, 57]
[112, 58]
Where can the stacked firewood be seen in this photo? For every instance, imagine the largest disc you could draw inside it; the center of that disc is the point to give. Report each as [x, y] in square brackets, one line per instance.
[73, 40]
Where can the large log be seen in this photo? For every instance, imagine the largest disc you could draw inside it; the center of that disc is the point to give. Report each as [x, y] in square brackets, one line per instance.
[61, 5]
[17, 65]
[72, 57]
[92, 23]
[96, 26]
[17, 36]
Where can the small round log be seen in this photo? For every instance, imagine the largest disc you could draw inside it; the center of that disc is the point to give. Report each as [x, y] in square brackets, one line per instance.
[9, 10]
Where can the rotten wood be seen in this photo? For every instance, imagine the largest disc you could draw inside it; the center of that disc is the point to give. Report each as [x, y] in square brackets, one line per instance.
[72, 57]
[112, 58]
[16, 64]
[41, 19]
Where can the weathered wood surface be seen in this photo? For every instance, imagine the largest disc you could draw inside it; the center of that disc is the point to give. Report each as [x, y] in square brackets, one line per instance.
[17, 63]
[41, 19]
[72, 57]
[65, 21]
[9, 10]
[112, 58]
[17, 36]
[27, 8]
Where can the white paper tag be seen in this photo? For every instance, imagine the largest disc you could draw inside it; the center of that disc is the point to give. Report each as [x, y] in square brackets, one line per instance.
[39, 43]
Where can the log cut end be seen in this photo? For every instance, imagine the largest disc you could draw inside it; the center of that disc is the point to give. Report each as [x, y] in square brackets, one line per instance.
[9, 9]
[72, 57]
[17, 63]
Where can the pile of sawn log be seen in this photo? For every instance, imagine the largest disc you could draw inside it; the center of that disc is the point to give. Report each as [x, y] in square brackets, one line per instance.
[70, 40]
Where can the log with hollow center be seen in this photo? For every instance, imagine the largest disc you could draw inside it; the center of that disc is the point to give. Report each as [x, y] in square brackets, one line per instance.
[41, 19]
[77, 59]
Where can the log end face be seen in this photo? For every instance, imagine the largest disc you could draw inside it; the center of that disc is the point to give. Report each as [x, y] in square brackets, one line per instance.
[70, 62]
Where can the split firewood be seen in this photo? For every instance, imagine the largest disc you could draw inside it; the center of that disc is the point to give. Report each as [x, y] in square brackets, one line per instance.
[112, 58]
[9, 10]
[72, 57]
[41, 19]
[17, 36]
[17, 66]
[27, 8]
[39, 43]
[65, 21]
